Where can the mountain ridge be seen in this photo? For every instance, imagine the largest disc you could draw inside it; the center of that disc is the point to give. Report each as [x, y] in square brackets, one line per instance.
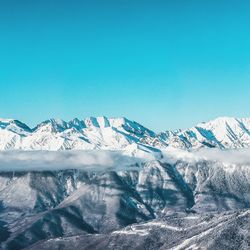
[100, 199]
[118, 133]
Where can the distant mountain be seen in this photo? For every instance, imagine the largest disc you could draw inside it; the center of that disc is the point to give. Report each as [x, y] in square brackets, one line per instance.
[120, 133]
[56, 134]
[156, 201]
[223, 132]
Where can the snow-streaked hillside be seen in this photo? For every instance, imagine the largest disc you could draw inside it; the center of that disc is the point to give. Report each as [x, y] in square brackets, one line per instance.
[119, 133]
[102, 183]
[41, 204]
[176, 231]
[223, 132]
[55, 134]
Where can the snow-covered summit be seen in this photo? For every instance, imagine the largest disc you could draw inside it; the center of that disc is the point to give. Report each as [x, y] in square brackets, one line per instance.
[80, 134]
[119, 133]
[223, 132]
[14, 125]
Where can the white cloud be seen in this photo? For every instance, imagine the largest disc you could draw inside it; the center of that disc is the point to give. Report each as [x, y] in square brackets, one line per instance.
[101, 160]
[229, 156]
[59, 160]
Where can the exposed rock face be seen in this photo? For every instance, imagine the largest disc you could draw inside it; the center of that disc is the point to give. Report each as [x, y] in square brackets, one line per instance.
[176, 231]
[49, 204]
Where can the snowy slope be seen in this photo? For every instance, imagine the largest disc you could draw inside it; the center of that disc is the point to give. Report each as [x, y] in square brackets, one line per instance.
[155, 194]
[38, 205]
[119, 133]
[55, 134]
[53, 204]
[223, 132]
[175, 231]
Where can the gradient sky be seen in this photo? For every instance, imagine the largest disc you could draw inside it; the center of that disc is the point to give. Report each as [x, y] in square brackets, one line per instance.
[167, 64]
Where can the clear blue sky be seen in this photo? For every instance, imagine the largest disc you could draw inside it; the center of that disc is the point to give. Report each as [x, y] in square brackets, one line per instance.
[167, 64]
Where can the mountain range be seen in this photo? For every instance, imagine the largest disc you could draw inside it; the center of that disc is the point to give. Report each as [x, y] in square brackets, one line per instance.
[120, 133]
[160, 193]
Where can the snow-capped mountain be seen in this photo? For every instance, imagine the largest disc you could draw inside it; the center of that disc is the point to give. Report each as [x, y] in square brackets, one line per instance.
[119, 133]
[138, 186]
[56, 134]
[223, 132]
[180, 199]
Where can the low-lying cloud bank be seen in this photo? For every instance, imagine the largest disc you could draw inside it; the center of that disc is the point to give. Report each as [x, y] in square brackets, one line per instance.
[103, 160]
[59, 160]
[228, 156]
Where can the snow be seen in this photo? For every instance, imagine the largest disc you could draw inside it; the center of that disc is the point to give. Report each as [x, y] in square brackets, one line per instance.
[223, 132]
[221, 231]
[98, 175]
[118, 133]
[63, 193]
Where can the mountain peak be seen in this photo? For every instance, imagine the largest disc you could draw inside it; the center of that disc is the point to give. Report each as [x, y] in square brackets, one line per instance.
[14, 125]
[51, 125]
[118, 133]
[223, 119]
[3, 120]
